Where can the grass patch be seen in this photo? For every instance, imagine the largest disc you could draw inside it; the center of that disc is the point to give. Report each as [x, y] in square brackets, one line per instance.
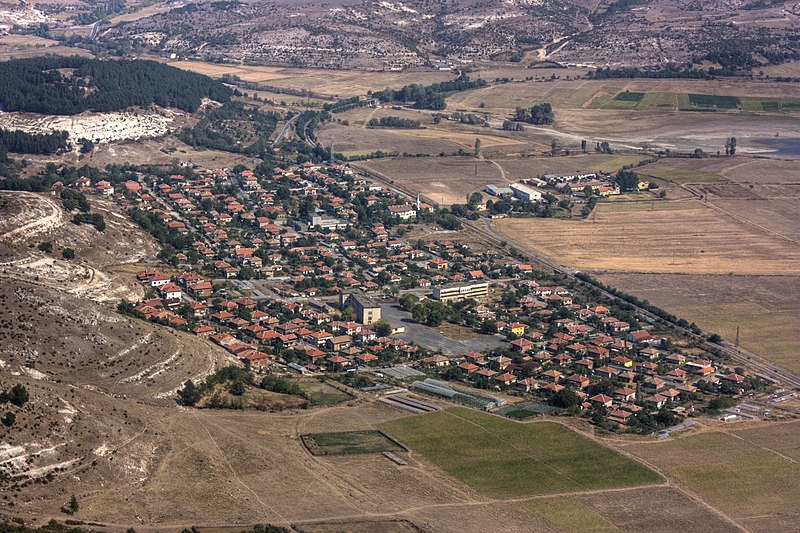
[715, 101]
[350, 443]
[682, 175]
[501, 458]
[571, 515]
[321, 393]
[629, 96]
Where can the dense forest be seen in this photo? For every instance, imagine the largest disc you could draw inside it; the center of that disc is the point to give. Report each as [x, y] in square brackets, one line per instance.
[20, 142]
[39, 85]
[428, 96]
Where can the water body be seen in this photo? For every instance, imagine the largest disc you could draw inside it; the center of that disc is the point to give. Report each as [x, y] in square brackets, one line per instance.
[779, 146]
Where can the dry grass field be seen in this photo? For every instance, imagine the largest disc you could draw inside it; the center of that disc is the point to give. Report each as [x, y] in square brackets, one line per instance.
[753, 483]
[442, 180]
[692, 239]
[765, 308]
[657, 509]
[339, 83]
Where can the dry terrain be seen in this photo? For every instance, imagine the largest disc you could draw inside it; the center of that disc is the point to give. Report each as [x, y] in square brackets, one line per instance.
[337, 83]
[752, 481]
[686, 238]
[102, 268]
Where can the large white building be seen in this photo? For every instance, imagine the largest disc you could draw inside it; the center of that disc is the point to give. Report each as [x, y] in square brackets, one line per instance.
[523, 192]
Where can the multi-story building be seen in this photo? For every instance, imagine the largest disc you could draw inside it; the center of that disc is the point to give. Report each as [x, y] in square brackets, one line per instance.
[366, 309]
[461, 291]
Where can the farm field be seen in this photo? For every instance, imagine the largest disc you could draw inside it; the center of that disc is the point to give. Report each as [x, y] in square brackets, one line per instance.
[611, 94]
[349, 443]
[748, 482]
[321, 393]
[501, 458]
[442, 180]
[338, 83]
[765, 308]
[695, 239]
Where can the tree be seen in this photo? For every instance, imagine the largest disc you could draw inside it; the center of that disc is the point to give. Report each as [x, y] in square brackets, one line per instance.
[237, 388]
[382, 328]
[18, 395]
[46, 247]
[583, 146]
[588, 191]
[73, 504]
[474, 199]
[9, 419]
[189, 395]
[565, 398]
[408, 301]
[553, 147]
[730, 146]
[68, 253]
[477, 151]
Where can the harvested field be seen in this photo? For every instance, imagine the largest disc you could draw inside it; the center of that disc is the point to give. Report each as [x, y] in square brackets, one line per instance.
[739, 169]
[657, 509]
[500, 458]
[444, 181]
[737, 477]
[695, 239]
[571, 515]
[339, 83]
[765, 308]
[780, 438]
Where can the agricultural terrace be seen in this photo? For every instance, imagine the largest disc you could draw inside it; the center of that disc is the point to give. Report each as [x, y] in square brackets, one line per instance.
[501, 458]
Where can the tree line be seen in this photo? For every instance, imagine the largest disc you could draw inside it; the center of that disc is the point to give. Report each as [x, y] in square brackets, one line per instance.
[428, 96]
[394, 122]
[21, 142]
[36, 85]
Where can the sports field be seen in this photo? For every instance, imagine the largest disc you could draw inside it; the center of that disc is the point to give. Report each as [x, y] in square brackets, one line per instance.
[501, 458]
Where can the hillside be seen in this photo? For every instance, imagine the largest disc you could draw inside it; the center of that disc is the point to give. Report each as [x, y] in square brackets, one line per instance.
[389, 35]
[71, 85]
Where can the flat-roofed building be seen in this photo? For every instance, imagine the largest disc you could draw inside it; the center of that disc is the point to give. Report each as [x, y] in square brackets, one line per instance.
[461, 291]
[366, 309]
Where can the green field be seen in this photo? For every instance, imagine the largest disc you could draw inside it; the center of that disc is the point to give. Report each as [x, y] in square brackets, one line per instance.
[501, 458]
[682, 175]
[349, 443]
[715, 101]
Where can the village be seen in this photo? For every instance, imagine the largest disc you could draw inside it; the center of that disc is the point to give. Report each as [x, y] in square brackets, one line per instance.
[310, 272]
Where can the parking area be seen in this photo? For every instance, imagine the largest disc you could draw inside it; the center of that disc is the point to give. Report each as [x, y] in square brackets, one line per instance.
[433, 340]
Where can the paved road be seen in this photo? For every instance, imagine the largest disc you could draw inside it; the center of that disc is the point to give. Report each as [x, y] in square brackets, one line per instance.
[285, 130]
[433, 340]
